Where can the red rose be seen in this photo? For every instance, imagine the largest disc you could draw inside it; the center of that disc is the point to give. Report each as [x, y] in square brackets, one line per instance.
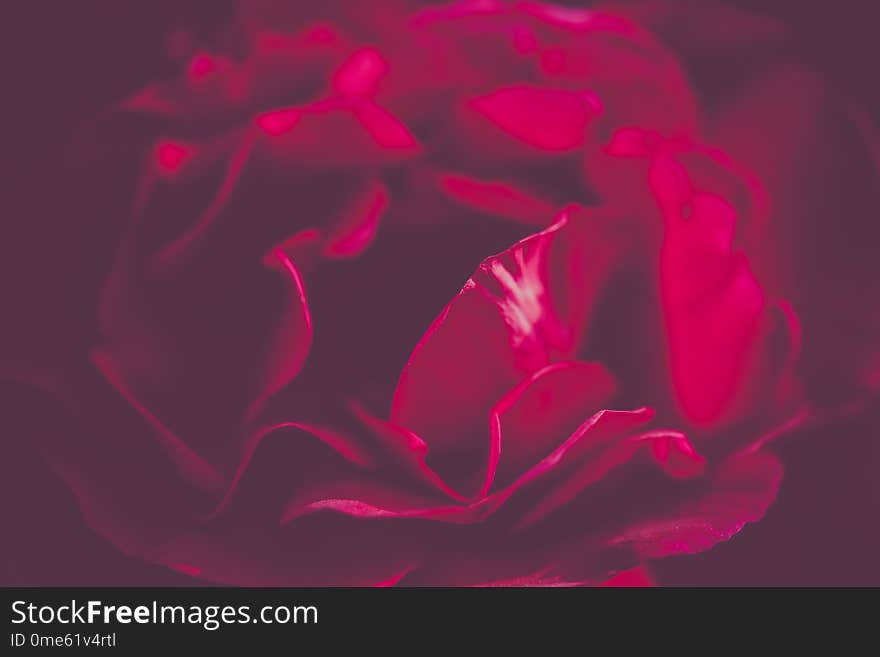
[259, 395]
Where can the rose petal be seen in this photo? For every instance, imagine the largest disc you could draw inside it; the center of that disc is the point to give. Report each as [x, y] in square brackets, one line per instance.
[678, 458]
[713, 304]
[315, 446]
[497, 198]
[292, 341]
[542, 411]
[521, 311]
[358, 227]
[407, 449]
[546, 119]
[742, 490]
[337, 132]
[582, 459]
[361, 74]
[638, 577]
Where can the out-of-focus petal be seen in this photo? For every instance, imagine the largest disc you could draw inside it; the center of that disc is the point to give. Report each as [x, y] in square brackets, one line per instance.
[292, 340]
[356, 230]
[361, 74]
[542, 411]
[714, 307]
[601, 443]
[497, 198]
[337, 132]
[546, 119]
[741, 491]
[404, 448]
[639, 81]
[571, 483]
[678, 458]
[638, 577]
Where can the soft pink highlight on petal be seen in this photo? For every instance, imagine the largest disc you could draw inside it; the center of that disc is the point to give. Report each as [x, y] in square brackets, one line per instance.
[547, 119]
[186, 569]
[292, 340]
[742, 490]
[296, 248]
[386, 129]
[676, 455]
[572, 18]
[395, 579]
[365, 510]
[361, 74]
[201, 66]
[497, 198]
[638, 577]
[542, 411]
[354, 233]
[171, 156]
[344, 446]
[407, 449]
[277, 122]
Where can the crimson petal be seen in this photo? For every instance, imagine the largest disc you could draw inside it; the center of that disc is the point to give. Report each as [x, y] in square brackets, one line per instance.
[715, 308]
[521, 311]
[743, 487]
[542, 411]
[546, 119]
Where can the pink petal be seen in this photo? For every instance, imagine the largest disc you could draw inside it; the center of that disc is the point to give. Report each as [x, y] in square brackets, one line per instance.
[369, 499]
[675, 454]
[387, 130]
[337, 132]
[406, 449]
[277, 122]
[292, 340]
[638, 577]
[742, 490]
[300, 248]
[547, 119]
[360, 74]
[497, 198]
[170, 156]
[713, 304]
[356, 230]
[521, 311]
[538, 414]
